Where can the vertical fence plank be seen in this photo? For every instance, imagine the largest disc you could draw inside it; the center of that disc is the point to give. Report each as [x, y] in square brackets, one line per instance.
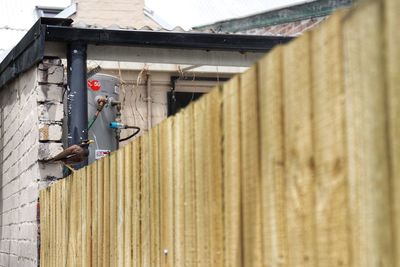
[113, 212]
[106, 211]
[64, 220]
[213, 174]
[231, 171]
[58, 224]
[84, 218]
[154, 191]
[145, 202]
[179, 226]
[45, 235]
[46, 227]
[95, 215]
[76, 232]
[50, 222]
[329, 145]
[299, 169]
[70, 215]
[43, 228]
[78, 219]
[392, 59]
[166, 193]
[53, 237]
[367, 136]
[100, 211]
[120, 220]
[53, 225]
[50, 209]
[128, 202]
[250, 169]
[88, 232]
[42, 204]
[189, 185]
[136, 209]
[275, 237]
[201, 186]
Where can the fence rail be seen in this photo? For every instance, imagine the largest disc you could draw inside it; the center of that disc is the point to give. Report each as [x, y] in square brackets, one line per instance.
[295, 162]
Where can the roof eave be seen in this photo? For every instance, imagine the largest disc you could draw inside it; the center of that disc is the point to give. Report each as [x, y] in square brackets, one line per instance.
[31, 49]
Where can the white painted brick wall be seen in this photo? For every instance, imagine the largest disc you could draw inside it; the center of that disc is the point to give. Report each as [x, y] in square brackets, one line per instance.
[29, 103]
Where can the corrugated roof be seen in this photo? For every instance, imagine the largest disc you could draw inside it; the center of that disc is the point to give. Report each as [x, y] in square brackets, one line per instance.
[190, 13]
[285, 17]
[80, 24]
[286, 29]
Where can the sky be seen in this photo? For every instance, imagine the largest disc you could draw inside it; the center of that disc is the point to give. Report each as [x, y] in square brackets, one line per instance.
[185, 13]
[20, 14]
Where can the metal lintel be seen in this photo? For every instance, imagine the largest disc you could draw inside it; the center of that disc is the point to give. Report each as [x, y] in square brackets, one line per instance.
[160, 55]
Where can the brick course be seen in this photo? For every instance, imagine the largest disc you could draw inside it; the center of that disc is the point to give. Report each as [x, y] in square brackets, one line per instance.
[27, 104]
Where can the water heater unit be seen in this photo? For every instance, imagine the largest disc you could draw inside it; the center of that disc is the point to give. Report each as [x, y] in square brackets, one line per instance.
[103, 109]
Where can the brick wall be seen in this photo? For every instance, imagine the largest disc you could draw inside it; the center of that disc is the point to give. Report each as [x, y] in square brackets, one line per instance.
[24, 109]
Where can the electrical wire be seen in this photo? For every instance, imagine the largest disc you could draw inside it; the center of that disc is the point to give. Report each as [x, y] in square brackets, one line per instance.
[94, 118]
[132, 135]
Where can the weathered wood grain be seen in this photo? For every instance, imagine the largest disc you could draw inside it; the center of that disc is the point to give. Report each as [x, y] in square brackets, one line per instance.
[250, 169]
[293, 163]
[274, 223]
[119, 177]
[332, 220]
[231, 172]
[166, 193]
[299, 157]
[179, 191]
[127, 180]
[392, 68]
[367, 137]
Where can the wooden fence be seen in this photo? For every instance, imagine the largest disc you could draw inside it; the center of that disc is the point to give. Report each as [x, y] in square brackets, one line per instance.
[295, 162]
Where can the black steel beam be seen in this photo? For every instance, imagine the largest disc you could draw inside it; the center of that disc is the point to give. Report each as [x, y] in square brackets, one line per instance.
[174, 40]
[77, 95]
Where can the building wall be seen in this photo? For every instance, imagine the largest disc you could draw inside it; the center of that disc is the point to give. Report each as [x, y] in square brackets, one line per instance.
[124, 13]
[134, 95]
[24, 104]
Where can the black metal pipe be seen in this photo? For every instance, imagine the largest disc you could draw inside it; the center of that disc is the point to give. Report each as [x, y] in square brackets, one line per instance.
[77, 96]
